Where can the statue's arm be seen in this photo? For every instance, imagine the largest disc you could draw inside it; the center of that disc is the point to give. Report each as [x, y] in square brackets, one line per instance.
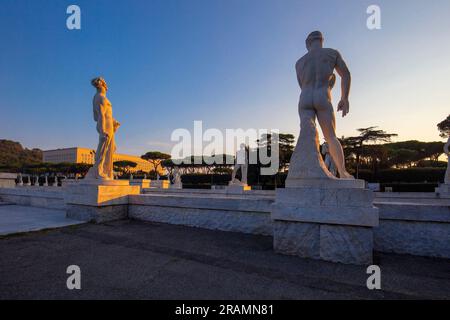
[297, 66]
[344, 73]
[346, 79]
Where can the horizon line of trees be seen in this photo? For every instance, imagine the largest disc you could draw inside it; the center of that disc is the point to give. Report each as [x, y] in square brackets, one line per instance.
[372, 150]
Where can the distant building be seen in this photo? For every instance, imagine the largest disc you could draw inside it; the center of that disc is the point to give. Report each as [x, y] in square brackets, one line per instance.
[84, 155]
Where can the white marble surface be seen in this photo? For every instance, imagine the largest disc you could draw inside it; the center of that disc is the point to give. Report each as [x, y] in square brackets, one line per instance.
[99, 195]
[19, 219]
[208, 218]
[143, 183]
[431, 239]
[7, 180]
[443, 191]
[352, 207]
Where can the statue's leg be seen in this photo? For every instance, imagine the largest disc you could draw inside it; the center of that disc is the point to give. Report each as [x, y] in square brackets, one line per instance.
[233, 175]
[244, 169]
[327, 122]
[100, 156]
[108, 164]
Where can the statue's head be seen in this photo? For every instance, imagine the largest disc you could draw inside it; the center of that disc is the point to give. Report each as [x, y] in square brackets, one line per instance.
[99, 83]
[315, 38]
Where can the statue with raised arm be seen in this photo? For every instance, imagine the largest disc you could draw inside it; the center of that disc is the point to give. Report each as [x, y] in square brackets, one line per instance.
[315, 75]
[106, 128]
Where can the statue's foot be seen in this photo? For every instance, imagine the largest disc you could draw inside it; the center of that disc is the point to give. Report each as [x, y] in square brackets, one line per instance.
[346, 175]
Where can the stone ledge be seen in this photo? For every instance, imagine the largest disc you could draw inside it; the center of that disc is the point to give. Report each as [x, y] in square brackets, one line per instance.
[343, 244]
[99, 195]
[213, 219]
[414, 212]
[326, 183]
[96, 214]
[431, 239]
[443, 191]
[220, 203]
[323, 197]
[351, 216]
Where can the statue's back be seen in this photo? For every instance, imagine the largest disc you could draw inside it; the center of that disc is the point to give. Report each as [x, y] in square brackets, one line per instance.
[316, 68]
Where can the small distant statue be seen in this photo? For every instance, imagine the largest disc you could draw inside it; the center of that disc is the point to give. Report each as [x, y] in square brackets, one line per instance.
[145, 176]
[329, 164]
[36, 181]
[177, 177]
[19, 180]
[106, 127]
[316, 78]
[131, 177]
[45, 181]
[241, 163]
[447, 152]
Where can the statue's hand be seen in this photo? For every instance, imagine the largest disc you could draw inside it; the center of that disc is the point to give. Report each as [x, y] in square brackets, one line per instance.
[344, 106]
[116, 125]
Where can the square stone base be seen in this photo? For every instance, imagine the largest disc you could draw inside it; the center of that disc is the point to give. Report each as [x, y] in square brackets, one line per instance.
[237, 188]
[325, 221]
[143, 183]
[98, 202]
[443, 191]
[344, 244]
[160, 184]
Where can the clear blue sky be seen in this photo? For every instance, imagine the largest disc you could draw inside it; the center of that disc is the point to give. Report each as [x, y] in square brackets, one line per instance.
[229, 63]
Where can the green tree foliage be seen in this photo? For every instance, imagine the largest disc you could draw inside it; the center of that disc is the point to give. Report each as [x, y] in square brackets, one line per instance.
[58, 168]
[285, 147]
[356, 146]
[124, 166]
[444, 127]
[155, 158]
[13, 156]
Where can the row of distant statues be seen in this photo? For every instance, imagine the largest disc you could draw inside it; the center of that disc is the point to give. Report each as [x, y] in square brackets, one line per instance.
[316, 78]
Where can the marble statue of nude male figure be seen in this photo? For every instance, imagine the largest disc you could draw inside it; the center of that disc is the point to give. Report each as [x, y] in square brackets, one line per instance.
[315, 75]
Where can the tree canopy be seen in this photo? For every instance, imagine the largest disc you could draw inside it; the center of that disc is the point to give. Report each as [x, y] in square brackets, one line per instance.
[444, 127]
[124, 165]
[155, 158]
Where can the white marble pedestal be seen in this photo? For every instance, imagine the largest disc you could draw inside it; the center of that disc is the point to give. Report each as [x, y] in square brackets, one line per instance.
[237, 188]
[98, 201]
[443, 190]
[160, 184]
[176, 186]
[143, 183]
[325, 219]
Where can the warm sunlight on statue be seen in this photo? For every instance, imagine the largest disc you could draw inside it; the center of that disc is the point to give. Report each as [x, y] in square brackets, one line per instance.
[106, 127]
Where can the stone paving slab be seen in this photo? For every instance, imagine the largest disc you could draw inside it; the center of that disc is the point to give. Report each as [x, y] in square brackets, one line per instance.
[138, 260]
[19, 219]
